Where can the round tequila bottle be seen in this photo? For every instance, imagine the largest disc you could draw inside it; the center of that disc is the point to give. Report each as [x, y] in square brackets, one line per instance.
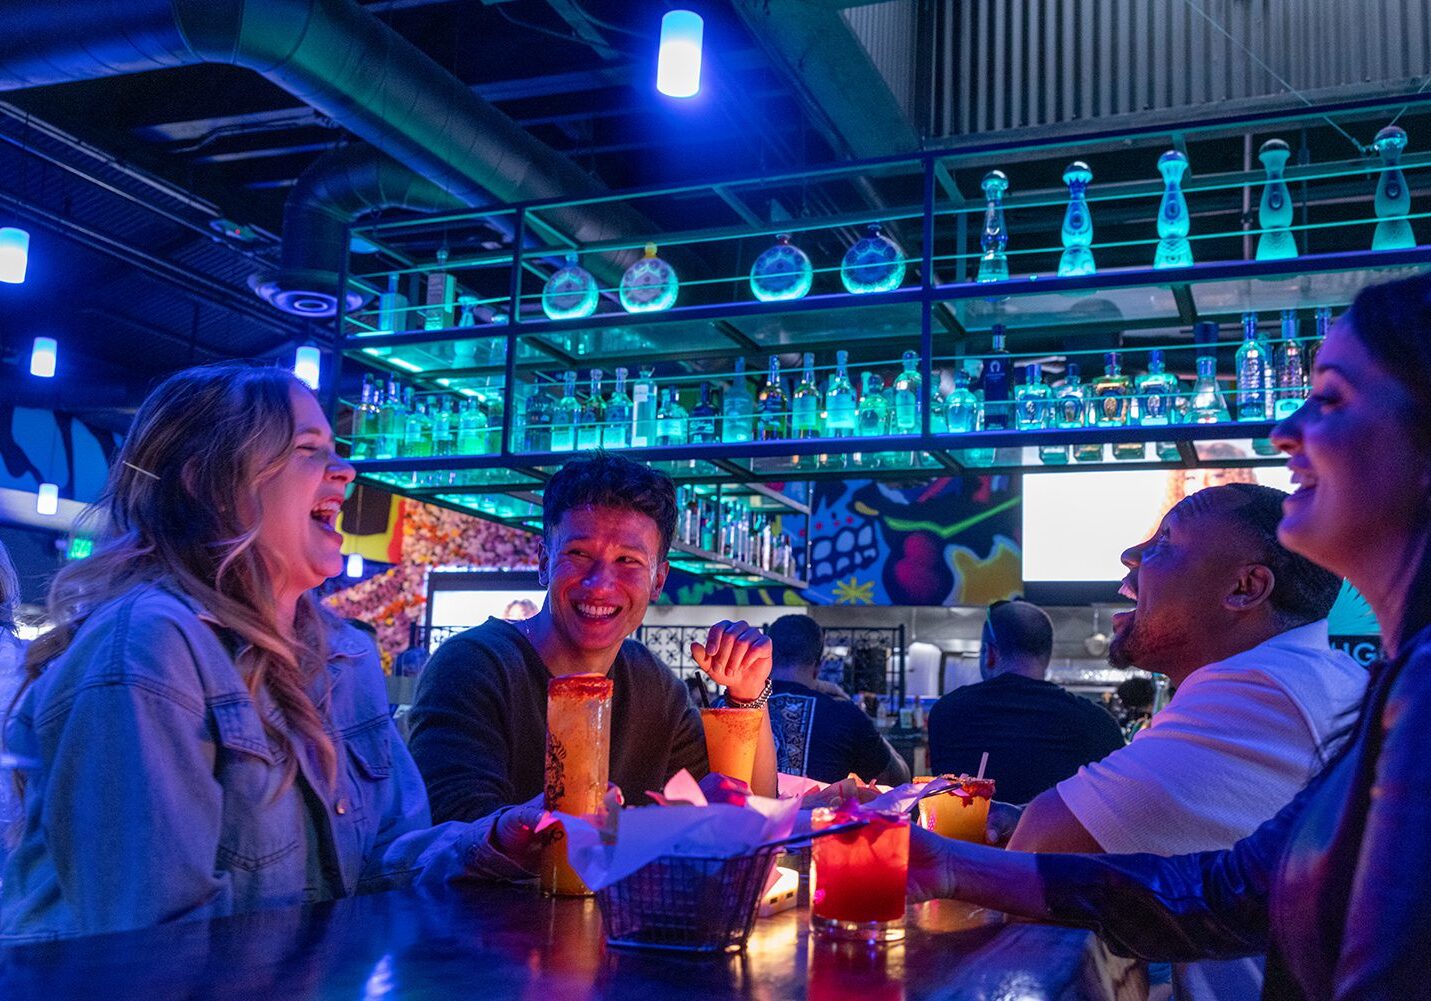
[874, 264]
[782, 272]
[570, 292]
[649, 285]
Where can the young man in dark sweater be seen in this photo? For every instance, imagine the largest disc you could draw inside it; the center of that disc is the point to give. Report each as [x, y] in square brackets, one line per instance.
[479, 720]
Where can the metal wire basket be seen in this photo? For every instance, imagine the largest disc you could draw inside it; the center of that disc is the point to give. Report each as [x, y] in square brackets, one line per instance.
[692, 904]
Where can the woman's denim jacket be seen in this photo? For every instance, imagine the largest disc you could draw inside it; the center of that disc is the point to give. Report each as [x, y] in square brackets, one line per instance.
[155, 794]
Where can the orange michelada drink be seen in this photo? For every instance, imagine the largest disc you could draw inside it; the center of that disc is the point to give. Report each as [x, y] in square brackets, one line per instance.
[961, 813]
[859, 876]
[731, 739]
[578, 764]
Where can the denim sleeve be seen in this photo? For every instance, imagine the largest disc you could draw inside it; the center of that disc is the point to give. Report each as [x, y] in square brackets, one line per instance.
[1180, 908]
[409, 850]
[130, 803]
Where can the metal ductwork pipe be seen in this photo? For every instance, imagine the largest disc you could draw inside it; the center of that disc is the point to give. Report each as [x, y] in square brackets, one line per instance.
[336, 189]
[340, 60]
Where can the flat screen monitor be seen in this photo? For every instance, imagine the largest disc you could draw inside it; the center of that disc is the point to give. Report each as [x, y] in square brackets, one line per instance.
[458, 600]
[1075, 525]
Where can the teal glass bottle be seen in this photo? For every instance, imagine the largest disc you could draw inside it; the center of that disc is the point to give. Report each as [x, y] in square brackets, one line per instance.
[650, 285]
[1174, 248]
[906, 397]
[805, 407]
[702, 426]
[591, 416]
[616, 431]
[1274, 212]
[994, 265]
[873, 264]
[1393, 197]
[840, 402]
[738, 408]
[565, 418]
[570, 292]
[781, 273]
[1077, 257]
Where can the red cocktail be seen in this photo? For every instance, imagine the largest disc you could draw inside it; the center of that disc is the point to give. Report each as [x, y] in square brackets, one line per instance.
[857, 883]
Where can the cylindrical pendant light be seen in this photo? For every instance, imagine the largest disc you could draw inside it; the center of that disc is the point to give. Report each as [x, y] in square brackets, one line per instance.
[306, 366]
[14, 255]
[47, 500]
[678, 65]
[42, 357]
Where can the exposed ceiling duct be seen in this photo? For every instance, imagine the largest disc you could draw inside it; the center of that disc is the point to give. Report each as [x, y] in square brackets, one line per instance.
[337, 58]
[336, 189]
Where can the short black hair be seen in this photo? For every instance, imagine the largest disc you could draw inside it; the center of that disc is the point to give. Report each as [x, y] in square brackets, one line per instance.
[1019, 628]
[605, 479]
[796, 640]
[1137, 692]
[1302, 591]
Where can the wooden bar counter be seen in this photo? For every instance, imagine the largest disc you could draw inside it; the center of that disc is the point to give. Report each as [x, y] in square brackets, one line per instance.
[479, 941]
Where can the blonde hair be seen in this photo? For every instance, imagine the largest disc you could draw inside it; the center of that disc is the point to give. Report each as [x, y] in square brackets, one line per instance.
[171, 511]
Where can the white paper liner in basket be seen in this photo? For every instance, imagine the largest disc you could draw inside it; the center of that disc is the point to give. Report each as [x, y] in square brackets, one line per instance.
[646, 833]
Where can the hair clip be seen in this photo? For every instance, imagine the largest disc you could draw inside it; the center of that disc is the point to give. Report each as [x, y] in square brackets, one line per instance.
[145, 472]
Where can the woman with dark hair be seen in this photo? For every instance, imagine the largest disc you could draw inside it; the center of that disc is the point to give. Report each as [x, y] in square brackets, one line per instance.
[206, 738]
[1335, 888]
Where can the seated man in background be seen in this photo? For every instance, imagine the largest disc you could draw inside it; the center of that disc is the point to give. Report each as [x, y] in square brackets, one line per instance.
[1035, 732]
[479, 719]
[817, 734]
[1238, 623]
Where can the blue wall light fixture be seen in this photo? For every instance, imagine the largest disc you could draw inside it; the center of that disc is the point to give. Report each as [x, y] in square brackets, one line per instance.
[306, 366]
[15, 249]
[678, 66]
[43, 356]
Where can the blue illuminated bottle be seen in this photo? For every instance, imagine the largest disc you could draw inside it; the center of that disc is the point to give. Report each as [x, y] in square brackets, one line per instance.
[1274, 212]
[874, 264]
[1393, 197]
[906, 397]
[1254, 374]
[1174, 249]
[644, 402]
[840, 402]
[738, 408]
[783, 272]
[616, 432]
[994, 265]
[1077, 256]
[702, 425]
[998, 388]
[565, 416]
[570, 292]
[649, 285]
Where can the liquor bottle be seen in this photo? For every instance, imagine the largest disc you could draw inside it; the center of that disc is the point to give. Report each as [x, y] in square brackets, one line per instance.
[873, 264]
[737, 408]
[467, 313]
[392, 308]
[840, 401]
[1393, 197]
[490, 403]
[998, 412]
[616, 432]
[1073, 410]
[570, 292]
[964, 413]
[564, 419]
[1174, 248]
[444, 438]
[874, 408]
[937, 421]
[1291, 372]
[671, 419]
[1274, 212]
[365, 420]
[1208, 405]
[1156, 392]
[417, 428]
[391, 418]
[541, 411]
[781, 273]
[805, 415]
[439, 301]
[645, 402]
[1032, 399]
[994, 265]
[471, 429]
[649, 285]
[1112, 394]
[771, 406]
[1254, 374]
[1077, 258]
[591, 416]
[702, 426]
[906, 397]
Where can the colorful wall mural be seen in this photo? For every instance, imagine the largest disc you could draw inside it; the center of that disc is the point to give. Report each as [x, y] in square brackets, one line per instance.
[950, 541]
[43, 446]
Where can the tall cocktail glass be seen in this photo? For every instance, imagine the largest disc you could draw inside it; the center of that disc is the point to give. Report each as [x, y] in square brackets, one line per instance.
[858, 877]
[961, 813]
[577, 768]
[731, 739]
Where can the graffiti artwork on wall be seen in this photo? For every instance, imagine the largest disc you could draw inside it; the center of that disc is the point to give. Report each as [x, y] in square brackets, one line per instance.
[43, 446]
[951, 541]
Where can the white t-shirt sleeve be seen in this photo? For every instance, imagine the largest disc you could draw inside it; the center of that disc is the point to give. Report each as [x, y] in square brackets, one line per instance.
[1227, 753]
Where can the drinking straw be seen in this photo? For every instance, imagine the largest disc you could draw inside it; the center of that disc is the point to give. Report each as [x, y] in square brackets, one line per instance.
[983, 763]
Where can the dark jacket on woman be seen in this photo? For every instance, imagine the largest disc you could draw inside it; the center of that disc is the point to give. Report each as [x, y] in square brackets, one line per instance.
[1336, 888]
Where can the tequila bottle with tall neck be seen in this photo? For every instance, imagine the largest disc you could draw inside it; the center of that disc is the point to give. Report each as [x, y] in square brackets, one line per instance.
[565, 417]
[906, 397]
[616, 432]
[738, 408]
[805, 414]
[840, 402]
[591, 416]
[1291, 370]
[772, 406]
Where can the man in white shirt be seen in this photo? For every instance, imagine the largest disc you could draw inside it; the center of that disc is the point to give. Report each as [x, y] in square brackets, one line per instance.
[1238, 624]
